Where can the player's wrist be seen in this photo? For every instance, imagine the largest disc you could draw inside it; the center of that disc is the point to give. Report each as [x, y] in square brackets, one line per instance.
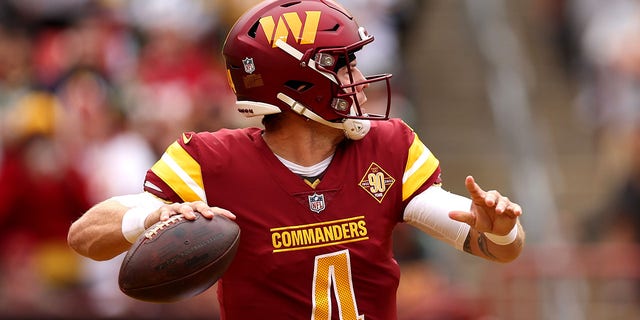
[133, 222]
[504, 240]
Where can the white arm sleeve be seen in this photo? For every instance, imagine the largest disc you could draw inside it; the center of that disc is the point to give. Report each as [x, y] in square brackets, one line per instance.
[143, 199]
[429, 212]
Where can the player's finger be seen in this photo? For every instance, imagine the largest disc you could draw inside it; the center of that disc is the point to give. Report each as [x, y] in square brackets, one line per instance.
[202, 208]
[223, 212]
[186, 210]
[477, 194]
[508, 208]
[514, 210]
[166, 211]
[492, 198]
[502, 203]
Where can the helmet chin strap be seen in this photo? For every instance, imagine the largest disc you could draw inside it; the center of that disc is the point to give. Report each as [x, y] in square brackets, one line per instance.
[354, 129]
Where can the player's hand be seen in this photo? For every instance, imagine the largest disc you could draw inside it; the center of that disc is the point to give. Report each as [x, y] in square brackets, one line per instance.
[188, 210]
[490, 211]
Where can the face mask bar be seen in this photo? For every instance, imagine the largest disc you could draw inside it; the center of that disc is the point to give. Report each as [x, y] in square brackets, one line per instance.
[353, 110]
[345, 102]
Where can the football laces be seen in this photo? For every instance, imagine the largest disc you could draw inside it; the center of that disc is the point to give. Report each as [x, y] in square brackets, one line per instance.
[153, 231]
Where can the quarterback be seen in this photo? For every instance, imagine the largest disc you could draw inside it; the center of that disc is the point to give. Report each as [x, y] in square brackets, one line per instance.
[318, 191]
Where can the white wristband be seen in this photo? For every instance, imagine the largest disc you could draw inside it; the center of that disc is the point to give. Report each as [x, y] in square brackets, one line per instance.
[504, 240]
[133, 222]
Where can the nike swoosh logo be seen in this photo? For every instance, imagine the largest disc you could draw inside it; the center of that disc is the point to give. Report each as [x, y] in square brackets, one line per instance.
[186, 138]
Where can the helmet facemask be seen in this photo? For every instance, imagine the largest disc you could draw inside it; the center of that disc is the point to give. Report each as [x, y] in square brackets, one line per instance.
[345, 102]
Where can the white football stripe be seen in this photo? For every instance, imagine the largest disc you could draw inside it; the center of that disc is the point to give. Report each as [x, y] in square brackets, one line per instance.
[152, 186]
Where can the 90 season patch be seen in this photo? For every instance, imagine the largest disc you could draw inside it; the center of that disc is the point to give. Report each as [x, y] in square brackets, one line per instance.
[376, 182]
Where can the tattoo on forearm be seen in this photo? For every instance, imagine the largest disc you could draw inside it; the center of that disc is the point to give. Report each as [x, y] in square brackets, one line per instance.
[467, 244]
[482, 244]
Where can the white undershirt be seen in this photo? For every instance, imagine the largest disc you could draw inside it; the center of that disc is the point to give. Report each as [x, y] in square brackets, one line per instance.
[310, 171]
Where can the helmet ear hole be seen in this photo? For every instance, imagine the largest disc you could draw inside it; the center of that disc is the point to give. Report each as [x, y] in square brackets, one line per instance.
[298, 86]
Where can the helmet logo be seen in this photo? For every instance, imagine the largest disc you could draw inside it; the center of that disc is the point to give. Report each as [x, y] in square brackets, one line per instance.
[249, 67]
[304, 33]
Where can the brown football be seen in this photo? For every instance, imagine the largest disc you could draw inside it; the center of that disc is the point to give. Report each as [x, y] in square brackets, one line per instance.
[178, 258]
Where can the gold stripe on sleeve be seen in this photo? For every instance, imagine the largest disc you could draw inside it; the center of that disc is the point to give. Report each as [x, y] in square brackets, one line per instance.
[181, 172]
[421, 164]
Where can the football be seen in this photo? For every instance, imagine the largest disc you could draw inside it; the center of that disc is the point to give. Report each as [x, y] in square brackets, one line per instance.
[178, 258]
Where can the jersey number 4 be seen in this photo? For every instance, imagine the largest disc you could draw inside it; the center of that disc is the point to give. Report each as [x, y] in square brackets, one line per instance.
[333, 271]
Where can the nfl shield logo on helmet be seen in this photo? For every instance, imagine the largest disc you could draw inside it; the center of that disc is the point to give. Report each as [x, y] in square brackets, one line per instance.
[249, 67]
[316, 202]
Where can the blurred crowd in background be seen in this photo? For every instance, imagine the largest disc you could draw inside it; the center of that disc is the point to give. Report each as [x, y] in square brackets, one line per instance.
[606, 39]
[92, 92]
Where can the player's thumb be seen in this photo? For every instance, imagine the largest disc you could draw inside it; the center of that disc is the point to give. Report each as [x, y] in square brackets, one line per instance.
[463, 216]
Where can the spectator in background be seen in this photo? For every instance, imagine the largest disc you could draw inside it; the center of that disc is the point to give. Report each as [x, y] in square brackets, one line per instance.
[37, 269]
[608, 39]
[178, 72]
[621, 220]
[109, 158]
[15, 71]
[609, 92]
[230, 11]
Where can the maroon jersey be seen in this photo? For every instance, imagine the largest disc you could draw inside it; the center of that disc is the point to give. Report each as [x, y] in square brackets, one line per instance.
[307, 250]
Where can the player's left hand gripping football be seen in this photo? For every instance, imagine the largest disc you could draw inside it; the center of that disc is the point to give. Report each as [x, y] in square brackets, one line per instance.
[490, 211]
[189, 211]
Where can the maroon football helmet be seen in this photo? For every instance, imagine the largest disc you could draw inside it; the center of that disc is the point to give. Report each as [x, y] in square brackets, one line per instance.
[284, 54]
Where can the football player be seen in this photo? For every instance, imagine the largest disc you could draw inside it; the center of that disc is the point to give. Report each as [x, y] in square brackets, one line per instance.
[318, 191]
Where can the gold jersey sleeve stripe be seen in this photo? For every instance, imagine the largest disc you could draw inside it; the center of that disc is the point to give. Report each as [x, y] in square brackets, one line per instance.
[421, 164]
[181, 172]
